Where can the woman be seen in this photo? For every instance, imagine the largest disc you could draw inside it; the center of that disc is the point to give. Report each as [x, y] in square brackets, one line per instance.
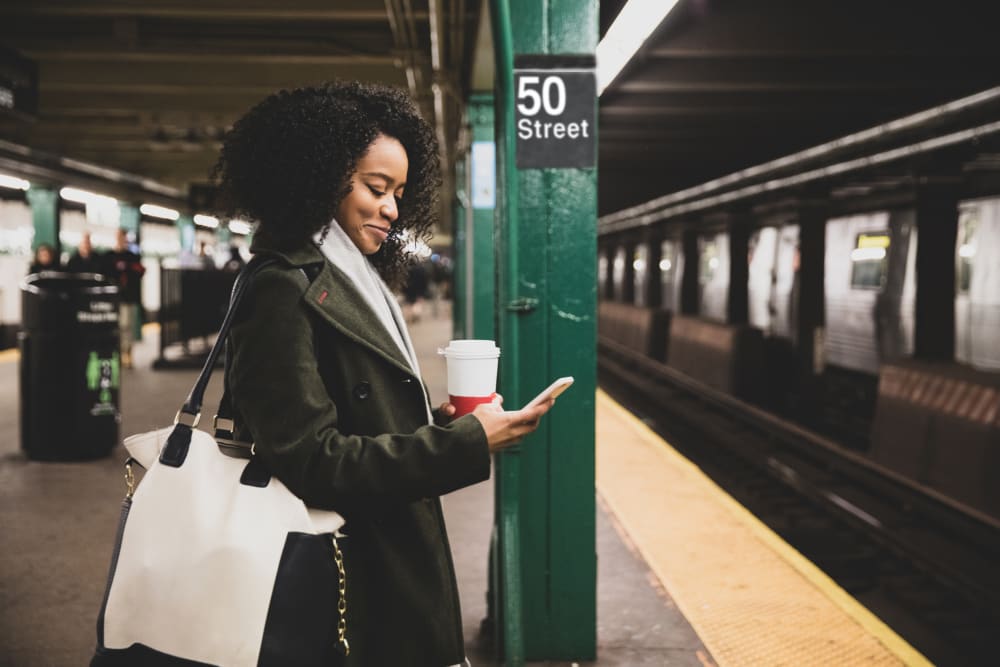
[323, 375]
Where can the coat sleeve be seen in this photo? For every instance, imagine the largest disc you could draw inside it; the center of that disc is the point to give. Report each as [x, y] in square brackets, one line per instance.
[277, 389]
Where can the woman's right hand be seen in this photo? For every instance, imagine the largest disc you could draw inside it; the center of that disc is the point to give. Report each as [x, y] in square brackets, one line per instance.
[504, 428]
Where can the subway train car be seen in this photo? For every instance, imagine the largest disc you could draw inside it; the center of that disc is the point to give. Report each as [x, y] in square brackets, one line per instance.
[841, 360]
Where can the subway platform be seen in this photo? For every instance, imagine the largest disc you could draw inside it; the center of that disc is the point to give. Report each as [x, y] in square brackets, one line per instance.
[685, 575]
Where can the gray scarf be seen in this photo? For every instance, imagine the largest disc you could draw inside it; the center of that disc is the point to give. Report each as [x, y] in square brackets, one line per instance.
[341, 251]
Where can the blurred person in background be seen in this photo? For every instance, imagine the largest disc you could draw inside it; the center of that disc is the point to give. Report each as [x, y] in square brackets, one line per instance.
[84, 260]
[124, 268]
[45, 259]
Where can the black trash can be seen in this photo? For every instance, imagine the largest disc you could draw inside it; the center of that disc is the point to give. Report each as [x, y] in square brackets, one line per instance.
[70, 366]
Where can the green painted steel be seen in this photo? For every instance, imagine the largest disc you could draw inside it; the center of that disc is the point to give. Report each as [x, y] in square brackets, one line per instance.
[128, 218]
[546, 305]
[505, 549]
[459, 286]
[185, 230]
[481, 244]
[44, 216]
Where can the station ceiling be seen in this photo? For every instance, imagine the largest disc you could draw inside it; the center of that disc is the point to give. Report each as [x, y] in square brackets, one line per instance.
[727, 84]
[149, 87]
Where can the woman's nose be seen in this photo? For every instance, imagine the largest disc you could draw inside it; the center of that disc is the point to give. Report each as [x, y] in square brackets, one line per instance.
[389, 211]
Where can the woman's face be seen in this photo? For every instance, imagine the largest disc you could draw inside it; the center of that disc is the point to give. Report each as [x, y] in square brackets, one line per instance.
[372, 206]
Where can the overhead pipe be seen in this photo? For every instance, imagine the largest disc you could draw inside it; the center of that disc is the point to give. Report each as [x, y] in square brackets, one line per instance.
[858, 139]
[773, 185]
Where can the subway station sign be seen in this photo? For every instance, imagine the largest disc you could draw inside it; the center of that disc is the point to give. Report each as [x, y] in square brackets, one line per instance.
[555, 102]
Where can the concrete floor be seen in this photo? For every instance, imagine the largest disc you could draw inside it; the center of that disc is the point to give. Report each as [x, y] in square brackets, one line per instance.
[57, 524]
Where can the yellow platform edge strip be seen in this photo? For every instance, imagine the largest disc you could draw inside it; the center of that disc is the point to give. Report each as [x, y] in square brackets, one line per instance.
[860, 614]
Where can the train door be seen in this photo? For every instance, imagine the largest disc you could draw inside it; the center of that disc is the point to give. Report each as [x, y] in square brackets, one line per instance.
[977, 299]
[671, 270]
[773, 274]
[869, 289]
[618, 274]
[640, 273]
[713, 276]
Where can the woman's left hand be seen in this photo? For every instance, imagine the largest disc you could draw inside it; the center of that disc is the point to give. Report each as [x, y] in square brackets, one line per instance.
[446, 411]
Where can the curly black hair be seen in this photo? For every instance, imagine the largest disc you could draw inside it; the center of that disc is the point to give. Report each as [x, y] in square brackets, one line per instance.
[286, 165]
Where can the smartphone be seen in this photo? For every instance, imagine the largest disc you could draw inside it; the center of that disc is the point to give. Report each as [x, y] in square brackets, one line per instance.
[553, 390]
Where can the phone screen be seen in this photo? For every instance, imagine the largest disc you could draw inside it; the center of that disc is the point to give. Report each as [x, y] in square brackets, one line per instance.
[553, 390]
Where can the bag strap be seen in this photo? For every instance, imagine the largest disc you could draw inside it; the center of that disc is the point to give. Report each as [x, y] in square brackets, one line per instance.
[224, 423]
[175, 451]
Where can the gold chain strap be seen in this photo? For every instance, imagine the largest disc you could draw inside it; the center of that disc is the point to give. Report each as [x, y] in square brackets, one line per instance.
[129, 479]
[344, 647]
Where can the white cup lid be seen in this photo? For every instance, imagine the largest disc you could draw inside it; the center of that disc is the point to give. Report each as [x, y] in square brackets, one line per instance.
[471, 349]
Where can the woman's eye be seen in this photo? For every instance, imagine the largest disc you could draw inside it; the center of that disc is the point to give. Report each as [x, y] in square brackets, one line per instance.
[375, 191]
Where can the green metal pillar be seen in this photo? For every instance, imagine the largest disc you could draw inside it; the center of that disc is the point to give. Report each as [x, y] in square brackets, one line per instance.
[475, 266]
[45, 217]
[481, 316]
[459, 282]
[185, 227]
[128, 219]
[545, 596]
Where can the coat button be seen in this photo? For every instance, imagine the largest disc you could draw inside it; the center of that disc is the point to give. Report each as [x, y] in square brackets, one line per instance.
[362, 391]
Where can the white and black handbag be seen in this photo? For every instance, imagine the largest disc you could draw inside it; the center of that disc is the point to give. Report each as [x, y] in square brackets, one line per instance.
[215, 561]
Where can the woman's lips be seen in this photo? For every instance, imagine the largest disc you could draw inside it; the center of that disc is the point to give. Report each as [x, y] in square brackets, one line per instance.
[380, 233]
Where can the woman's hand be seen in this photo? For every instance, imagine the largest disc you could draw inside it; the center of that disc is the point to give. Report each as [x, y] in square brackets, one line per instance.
[504, 428]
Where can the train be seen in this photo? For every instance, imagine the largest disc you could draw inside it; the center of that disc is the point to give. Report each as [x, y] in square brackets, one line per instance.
[833, 317]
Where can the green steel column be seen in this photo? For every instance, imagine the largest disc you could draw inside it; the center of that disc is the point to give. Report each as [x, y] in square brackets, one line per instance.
[128, 218]
[546, 254]
[459, 286]
[45, 217]
[479, 242]
[185, 228]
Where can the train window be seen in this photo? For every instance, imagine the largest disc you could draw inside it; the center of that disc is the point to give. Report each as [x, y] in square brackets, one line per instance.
[618, 275]
[977, 301]
[968, 221]
[602, 275]
[640, 259]
[868, 260]
[713, 276]
[670, 275]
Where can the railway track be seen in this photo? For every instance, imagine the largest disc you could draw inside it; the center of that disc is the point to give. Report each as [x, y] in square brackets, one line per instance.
[925, 565]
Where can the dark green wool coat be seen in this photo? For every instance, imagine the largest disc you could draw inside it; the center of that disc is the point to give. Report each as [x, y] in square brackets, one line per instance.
[337, 414]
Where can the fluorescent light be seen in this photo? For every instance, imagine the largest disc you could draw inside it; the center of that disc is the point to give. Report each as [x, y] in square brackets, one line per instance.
[633, 26]
[206, 221]
[867, 254]
[967, 250]
[665, 264]
[162, 212]
[240, 227]
[639, 265]
[13, 182]
[86, 197]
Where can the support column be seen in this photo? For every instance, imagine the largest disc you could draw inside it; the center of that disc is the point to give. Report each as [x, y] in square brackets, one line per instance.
[546, 257]
[460, 268]
[689, 279]
[654, 282]
[185, 229]
[45, 217]
[937, 231]
[738, 301]
[480, 242]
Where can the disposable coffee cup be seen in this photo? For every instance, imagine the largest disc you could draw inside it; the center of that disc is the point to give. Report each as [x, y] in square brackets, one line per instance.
[472, 373]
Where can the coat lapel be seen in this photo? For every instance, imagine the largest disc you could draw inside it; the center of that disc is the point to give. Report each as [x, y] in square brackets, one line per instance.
[335, 299]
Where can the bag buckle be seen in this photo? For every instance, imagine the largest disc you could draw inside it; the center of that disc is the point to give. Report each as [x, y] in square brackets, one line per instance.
[187, 419]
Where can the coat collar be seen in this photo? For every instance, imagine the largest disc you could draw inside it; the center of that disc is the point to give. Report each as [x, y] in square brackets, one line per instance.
[333, 296]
